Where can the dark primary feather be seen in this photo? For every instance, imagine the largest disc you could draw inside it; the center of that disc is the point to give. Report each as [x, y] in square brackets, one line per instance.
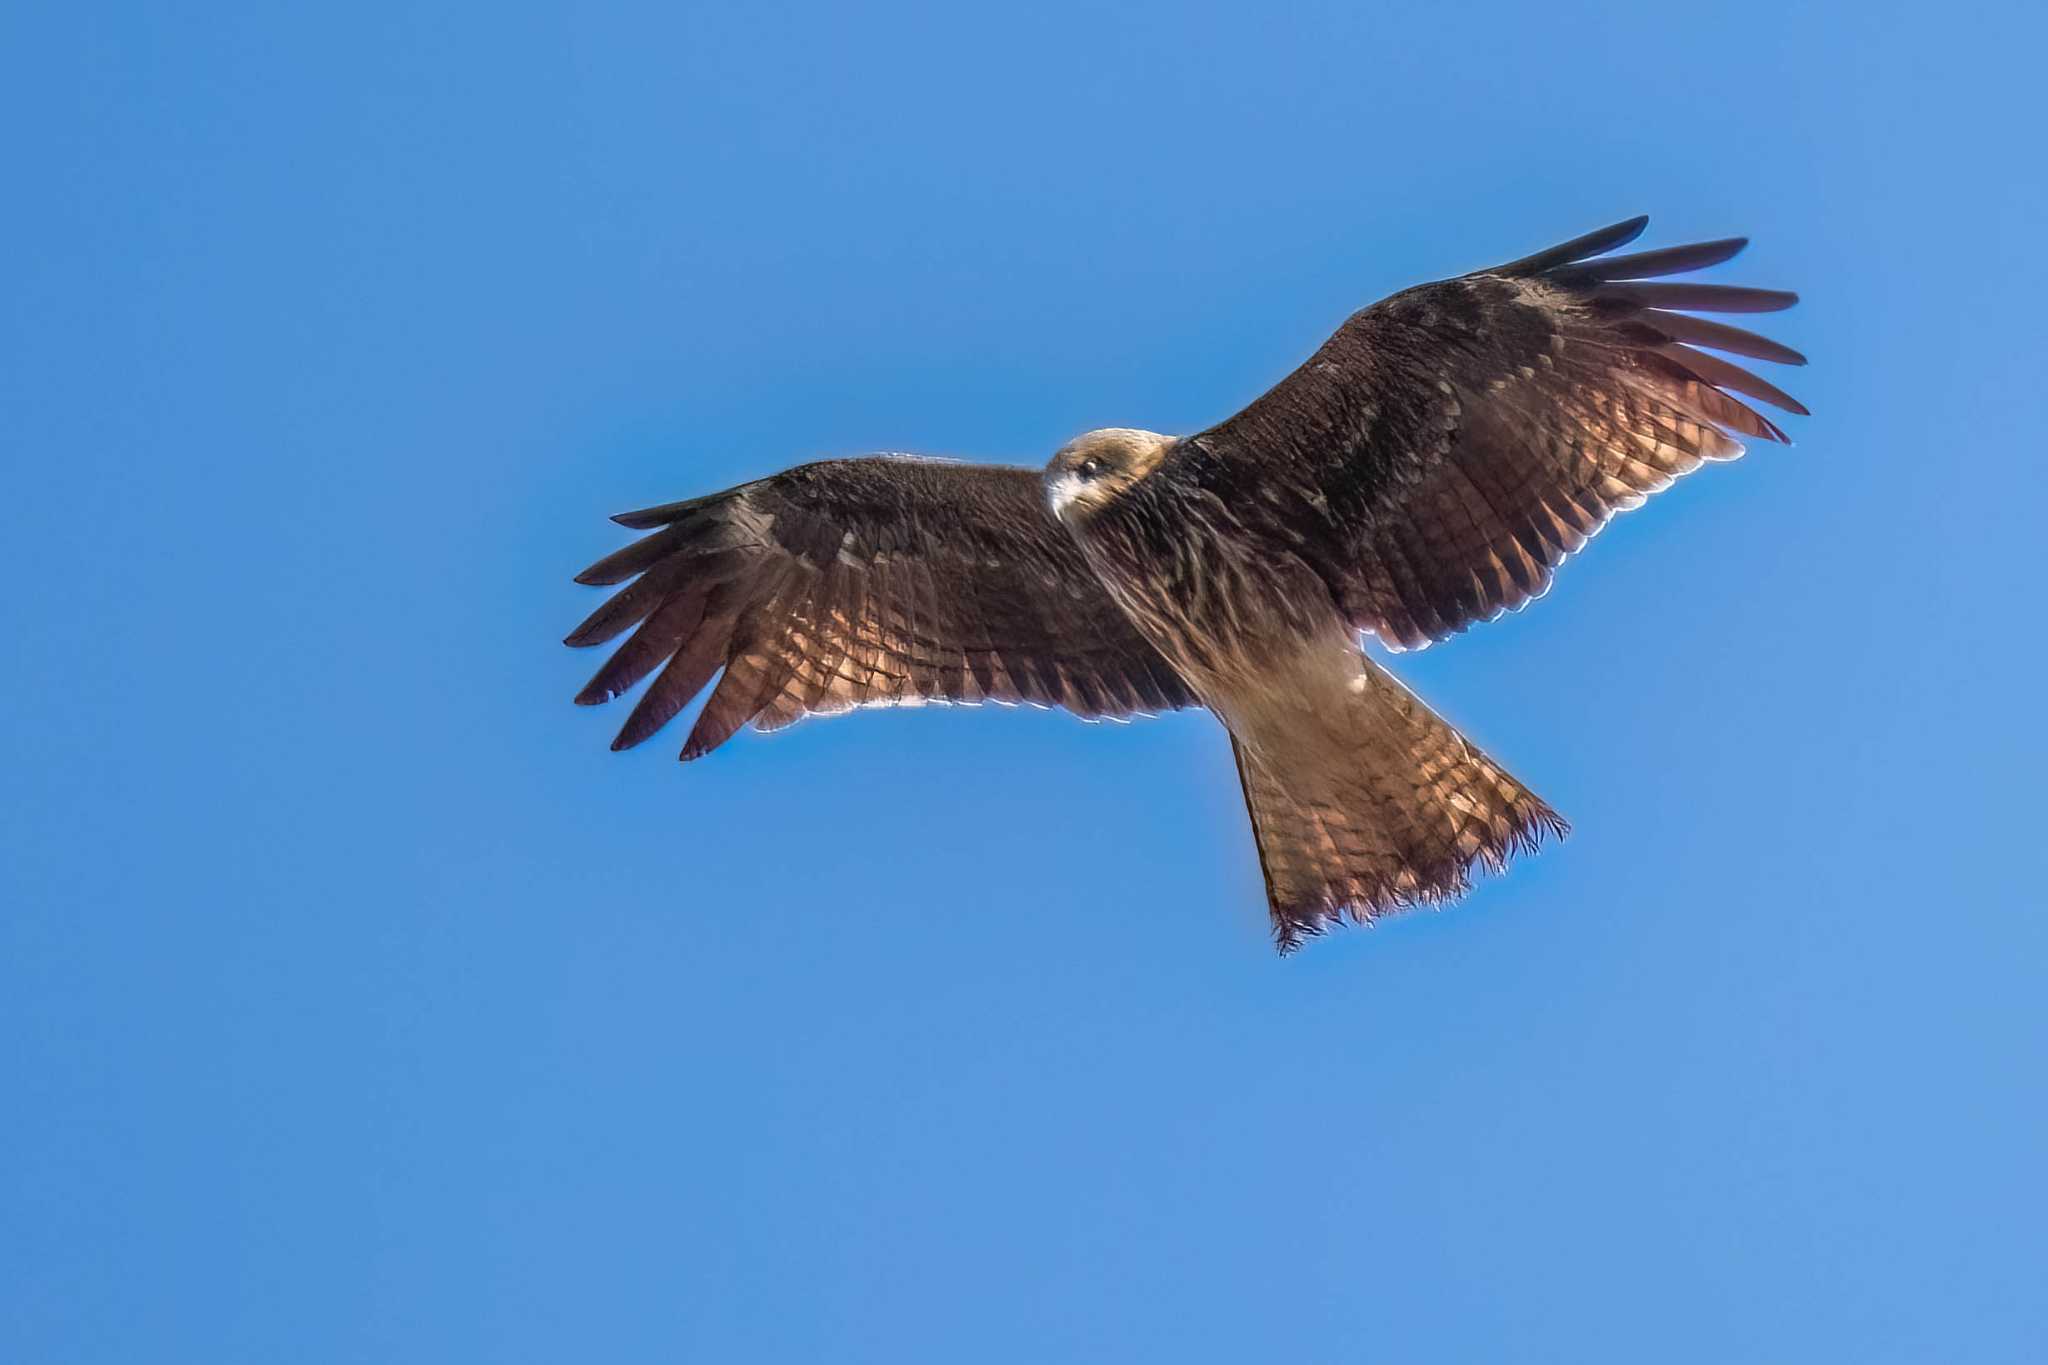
[1578, 248]
[860, 582]
[1448, 447]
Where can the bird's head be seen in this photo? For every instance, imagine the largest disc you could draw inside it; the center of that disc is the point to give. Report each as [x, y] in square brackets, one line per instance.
[1090, 471]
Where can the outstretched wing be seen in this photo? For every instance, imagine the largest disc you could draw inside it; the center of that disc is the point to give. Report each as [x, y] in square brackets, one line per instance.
[1441, 454]
[863, 582]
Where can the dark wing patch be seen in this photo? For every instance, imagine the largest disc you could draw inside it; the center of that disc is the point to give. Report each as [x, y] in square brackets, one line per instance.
[862, 582]
[1443, 453]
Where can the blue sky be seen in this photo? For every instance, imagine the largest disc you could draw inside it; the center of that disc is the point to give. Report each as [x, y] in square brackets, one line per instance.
[359, 1005]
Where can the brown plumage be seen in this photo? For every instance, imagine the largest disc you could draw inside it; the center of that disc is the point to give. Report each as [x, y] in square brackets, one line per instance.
[1430, 466]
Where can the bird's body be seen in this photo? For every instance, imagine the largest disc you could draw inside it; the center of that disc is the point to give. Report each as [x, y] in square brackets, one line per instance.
[1429, 467]
[1358, 793]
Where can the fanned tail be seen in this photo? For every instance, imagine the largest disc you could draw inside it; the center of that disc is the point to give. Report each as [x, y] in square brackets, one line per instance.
[1397, 817]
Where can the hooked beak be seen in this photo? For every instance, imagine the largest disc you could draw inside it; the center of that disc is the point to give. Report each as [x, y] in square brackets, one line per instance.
[1061, 491]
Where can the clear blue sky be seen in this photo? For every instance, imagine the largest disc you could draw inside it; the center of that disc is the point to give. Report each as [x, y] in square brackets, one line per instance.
[358, 1005]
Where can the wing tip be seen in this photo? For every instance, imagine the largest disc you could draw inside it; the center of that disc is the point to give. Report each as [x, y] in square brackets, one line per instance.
[1578, 248]
[1621, 233]
[668, 513]
[663, 514]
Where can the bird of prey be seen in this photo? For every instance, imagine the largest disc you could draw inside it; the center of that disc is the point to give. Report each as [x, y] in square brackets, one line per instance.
[1429, 467]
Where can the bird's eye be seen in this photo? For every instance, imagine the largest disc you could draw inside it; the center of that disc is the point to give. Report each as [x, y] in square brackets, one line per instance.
[1090, 468]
